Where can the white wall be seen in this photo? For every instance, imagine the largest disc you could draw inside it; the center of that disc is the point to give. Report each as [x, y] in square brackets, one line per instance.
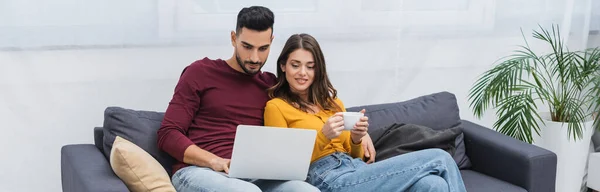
[60, 68]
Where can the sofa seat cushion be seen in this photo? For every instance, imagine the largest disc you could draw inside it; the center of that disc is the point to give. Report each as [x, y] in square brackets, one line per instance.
[137, 126]
[475, 181]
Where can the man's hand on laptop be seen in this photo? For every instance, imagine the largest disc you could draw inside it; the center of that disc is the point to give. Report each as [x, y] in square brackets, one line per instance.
[220, 164]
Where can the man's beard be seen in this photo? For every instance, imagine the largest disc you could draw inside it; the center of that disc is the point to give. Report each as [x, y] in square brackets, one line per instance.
[242, 65]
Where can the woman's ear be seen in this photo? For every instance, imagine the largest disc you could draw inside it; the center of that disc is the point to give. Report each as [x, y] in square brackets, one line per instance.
[282, 67]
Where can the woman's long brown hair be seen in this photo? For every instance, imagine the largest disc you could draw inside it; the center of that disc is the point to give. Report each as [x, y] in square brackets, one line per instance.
[320, 93]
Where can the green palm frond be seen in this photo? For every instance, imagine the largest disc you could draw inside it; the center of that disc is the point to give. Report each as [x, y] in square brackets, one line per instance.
[593, 95]
[515, 111]
[566, 81]
[573, 113]
[498, 83]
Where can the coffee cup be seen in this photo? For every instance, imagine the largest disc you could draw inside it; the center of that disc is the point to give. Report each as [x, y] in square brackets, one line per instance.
[350, 119]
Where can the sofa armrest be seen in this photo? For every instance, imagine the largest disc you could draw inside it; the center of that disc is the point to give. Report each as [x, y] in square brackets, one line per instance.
[85, 169]
[99, 138]
[508, 159]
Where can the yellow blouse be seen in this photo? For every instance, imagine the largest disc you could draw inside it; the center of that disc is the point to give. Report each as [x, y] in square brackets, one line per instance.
[279, 113]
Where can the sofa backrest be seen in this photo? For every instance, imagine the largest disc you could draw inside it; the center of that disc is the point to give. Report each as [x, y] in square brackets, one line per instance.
[137, 126]
[438, 111]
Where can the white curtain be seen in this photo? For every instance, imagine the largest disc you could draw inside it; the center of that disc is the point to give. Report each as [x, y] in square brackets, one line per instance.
[63, 61]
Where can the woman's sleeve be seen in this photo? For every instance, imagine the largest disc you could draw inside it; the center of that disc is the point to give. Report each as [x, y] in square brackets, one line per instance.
[274, 117]
[356, 150]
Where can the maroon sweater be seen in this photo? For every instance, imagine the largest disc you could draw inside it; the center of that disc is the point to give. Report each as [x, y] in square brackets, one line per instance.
[210, 100]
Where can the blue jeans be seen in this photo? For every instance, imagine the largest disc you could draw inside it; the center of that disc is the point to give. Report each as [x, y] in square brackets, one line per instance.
[196, 179]
[425, 170]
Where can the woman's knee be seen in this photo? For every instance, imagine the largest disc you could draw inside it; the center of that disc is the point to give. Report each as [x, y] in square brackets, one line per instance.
[430, 183]
[438, 154]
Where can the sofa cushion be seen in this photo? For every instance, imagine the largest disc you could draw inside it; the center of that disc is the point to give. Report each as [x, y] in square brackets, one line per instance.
[460, 155]
[400, 138]
[438, 111]
[136, 126]
[475, 181]
[138, 169]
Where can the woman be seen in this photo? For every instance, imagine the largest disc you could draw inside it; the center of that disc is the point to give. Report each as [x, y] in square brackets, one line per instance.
[305, 98]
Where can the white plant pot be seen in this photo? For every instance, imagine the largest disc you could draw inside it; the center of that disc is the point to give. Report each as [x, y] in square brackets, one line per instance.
[571, 155]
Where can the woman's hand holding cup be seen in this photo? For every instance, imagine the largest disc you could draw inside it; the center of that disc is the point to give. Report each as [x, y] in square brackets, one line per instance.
[334, 126]
[357, 123]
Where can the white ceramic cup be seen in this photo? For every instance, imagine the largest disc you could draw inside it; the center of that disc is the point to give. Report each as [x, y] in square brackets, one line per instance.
[351, 118]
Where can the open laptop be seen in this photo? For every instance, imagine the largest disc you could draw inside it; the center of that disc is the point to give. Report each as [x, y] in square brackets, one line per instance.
[261, 152]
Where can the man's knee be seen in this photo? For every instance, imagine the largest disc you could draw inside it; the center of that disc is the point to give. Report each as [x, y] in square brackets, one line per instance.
[241, 187]
[204, 179]
[234, 185]
[298, 186]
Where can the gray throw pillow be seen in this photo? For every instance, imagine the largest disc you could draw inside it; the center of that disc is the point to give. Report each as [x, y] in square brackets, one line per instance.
[460, 155]
[136, 126]
[399, 138]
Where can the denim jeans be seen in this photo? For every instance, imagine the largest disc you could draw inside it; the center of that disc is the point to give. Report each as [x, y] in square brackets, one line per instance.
[424, 170]
[200, 179]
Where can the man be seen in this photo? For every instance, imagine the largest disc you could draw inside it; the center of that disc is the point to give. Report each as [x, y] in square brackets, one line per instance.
[211, 98]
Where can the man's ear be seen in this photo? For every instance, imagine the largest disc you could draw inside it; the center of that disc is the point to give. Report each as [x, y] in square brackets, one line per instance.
[272, 37]
[233, 38]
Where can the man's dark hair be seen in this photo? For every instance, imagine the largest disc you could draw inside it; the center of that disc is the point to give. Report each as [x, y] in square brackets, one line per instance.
[256, 18]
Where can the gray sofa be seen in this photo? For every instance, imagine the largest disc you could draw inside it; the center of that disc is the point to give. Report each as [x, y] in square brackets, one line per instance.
[497, 162]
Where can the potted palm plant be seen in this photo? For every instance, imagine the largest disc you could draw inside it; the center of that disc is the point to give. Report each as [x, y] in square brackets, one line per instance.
[566, 82]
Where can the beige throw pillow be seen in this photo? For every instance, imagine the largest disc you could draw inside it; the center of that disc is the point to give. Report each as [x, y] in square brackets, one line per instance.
[138, 169]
